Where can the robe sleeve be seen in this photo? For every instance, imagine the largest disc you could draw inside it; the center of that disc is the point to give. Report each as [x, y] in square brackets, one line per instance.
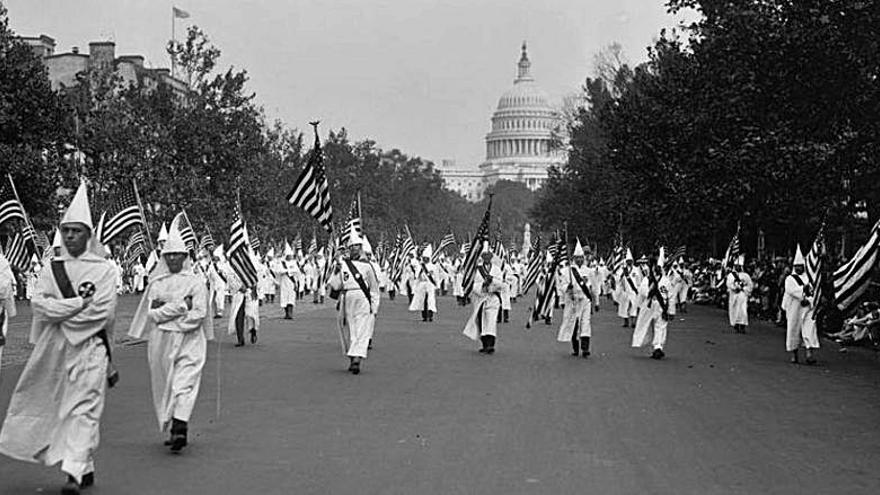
[793, 290]
[78, 323]
[335, 281]
[168, 311]
[194, 318]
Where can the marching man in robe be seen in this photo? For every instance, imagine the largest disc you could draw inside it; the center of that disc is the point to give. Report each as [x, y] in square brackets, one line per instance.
[580, 300]
[482, 324]
[7, 300]
[358, 290]
[799, 306]
[174, 315]
[287, 280]
[627, 284]
[425, 286]
[56, 408]
[654, 311]
[739, 286]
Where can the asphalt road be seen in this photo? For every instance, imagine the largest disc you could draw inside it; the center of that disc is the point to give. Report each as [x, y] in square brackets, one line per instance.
[724, 413]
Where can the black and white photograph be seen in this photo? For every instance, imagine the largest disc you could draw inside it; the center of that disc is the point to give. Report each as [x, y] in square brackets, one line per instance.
[439, 247]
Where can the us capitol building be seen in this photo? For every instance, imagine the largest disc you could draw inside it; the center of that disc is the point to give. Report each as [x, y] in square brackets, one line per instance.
[518, 146]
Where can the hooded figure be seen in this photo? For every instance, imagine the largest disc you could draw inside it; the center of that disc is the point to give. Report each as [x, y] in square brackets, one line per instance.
[580, 300]
[425, 283]
[56, 408]
[739, 286]
[355, 281]
[654, 311]
[7, 300]
[628, 281]
[287, 280]
[174, 315]
[486, 291]
[799, 306]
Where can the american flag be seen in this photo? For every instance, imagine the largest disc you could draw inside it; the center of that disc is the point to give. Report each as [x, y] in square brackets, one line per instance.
[134, 249]
[853, 277]
[17, 252]
[123, 213]
[547, 291]
[10, 206]
[473, 256]
[42, 242]
[207, 243]
[239, 252]
[353, 222]
[448, 240]
[814, 267]
[536, 261]
[311, 192]
[675, 255]
[255, 243]
[733, 250]
[313, 246]
[186, 231]
[617, 258]
[406, 246]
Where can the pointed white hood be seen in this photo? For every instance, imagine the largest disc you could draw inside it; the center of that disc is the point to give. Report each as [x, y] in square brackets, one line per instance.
[163, 233]
[174, 241]
[799, 256]
[578, 249]
[79, 210]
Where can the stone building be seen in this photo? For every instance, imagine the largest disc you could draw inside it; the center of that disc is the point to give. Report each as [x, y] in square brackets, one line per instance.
[63, 68]
[519, 146]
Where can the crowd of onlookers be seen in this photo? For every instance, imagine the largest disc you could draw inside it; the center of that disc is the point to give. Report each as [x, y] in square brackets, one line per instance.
[860, 324]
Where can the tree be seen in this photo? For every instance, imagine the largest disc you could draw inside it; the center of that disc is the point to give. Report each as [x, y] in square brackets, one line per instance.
[30, 126]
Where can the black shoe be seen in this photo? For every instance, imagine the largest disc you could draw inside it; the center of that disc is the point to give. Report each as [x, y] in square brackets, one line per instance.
[354, 367]
[575, 347]
[485, 340]
[794, 357]
[70, 488]
[585, 347]
[178, 435]
[370, 345]
[178, 442]
[657, 354]
[430, 315]
[240, 344]
[253, 336]
[491, 346]
[88, 480]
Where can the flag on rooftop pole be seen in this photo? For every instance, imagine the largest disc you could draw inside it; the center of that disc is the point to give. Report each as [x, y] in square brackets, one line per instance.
[311, 191]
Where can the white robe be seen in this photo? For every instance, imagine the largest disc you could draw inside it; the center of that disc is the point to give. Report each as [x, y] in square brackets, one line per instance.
[178, 342]
[287, 280]
[56, 407]
[7, 299]
[651, 316]
[738, 300]
[242, 297]
[578, 307]
[356, 315]
[801, 327]
[486, 302]
[627, 294]
[424, 290]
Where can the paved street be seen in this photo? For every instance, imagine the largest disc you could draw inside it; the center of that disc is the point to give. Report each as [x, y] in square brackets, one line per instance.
[724, 413]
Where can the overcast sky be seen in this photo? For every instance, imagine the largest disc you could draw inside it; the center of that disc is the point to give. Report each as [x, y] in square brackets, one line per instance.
[420, 75]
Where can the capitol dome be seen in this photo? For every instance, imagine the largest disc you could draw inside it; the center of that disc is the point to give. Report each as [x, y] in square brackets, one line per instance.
[519, 145]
